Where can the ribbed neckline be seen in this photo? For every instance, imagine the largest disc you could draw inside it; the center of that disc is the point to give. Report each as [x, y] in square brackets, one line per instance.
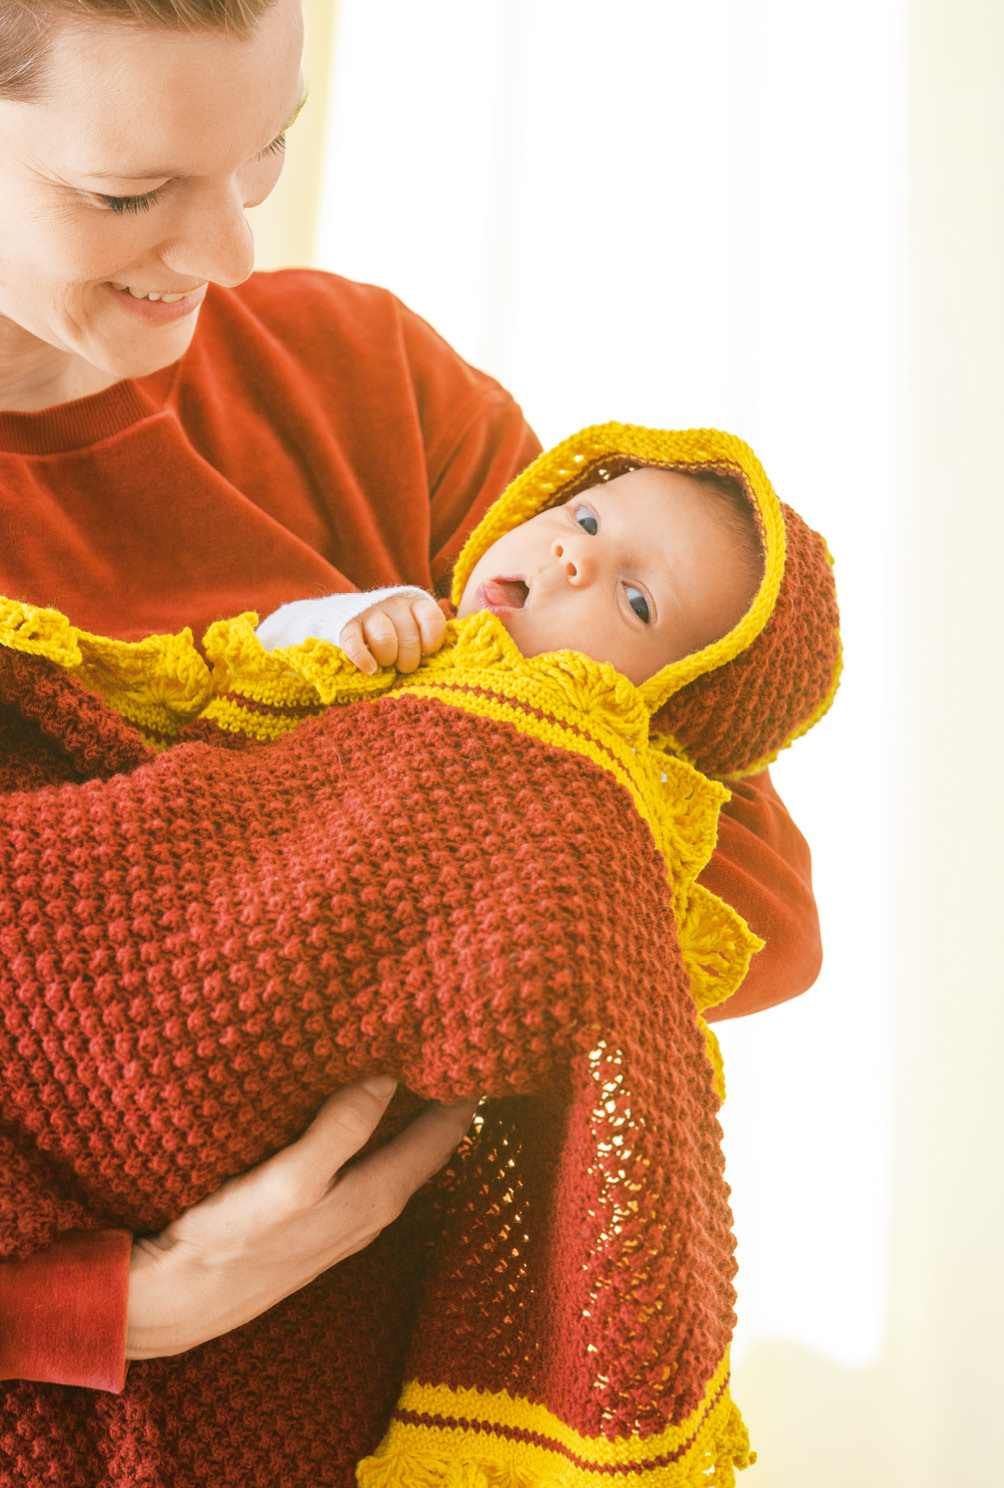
[86, 421]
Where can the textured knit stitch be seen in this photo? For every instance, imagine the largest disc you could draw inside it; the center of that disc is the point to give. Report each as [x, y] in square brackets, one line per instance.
[481, 878]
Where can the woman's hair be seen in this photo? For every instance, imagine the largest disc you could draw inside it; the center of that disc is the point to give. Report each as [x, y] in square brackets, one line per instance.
[26, 27]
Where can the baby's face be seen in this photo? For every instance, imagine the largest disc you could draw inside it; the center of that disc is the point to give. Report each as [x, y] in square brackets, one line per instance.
[638, 571]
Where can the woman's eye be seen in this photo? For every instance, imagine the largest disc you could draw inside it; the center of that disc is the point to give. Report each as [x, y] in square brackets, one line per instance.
[638, 603]
[131, 203]
[123, 204]
[587, 521]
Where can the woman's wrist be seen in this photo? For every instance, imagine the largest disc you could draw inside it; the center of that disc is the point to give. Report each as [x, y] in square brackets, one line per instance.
[154, 1320]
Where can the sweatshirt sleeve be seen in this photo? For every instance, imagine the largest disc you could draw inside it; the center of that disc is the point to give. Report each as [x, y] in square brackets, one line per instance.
[762, 867]
[63, 1312]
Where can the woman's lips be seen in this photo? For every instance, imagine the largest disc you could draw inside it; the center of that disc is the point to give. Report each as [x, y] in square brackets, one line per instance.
[503, 594]
[160, 312]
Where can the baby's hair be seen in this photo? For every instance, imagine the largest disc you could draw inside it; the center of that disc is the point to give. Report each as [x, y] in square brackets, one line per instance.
[735, 512]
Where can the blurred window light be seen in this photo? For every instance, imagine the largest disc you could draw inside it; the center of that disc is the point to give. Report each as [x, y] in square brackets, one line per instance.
[686, 214]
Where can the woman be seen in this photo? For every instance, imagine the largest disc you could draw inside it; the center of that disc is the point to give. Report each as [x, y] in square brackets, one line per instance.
[179, 441]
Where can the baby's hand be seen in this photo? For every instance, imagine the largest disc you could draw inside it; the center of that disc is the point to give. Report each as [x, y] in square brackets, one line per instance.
[397, 631]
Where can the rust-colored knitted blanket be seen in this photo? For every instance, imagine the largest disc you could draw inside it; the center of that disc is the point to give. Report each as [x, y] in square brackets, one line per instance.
[196, 952]
[481, 879]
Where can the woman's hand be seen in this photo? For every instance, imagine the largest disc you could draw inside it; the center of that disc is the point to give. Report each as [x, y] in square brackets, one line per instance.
[274, 1229]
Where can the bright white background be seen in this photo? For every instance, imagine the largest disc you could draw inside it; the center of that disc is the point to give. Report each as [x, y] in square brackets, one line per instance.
[785, 220]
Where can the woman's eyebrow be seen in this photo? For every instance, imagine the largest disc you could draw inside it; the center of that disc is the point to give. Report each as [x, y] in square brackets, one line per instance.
[160, 175]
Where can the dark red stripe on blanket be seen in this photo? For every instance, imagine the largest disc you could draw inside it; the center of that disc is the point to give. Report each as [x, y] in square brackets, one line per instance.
[549, 1444]
[532, 712]
[274, 710]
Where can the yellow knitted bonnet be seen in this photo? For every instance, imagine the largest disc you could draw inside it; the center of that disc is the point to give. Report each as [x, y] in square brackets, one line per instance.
[731, 707]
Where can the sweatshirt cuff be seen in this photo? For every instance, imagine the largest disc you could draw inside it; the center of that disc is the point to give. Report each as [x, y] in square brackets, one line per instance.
[63, 1312]
[324, 619]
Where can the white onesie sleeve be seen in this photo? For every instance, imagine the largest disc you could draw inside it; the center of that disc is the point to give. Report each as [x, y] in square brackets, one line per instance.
[324, 619]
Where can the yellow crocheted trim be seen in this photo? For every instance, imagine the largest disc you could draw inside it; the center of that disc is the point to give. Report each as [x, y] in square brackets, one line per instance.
[162, 682]
[713, 1050]
[262, 694]
[588, 708]
[445, 1438]
[563, 699]
[718, 944]
[605, 450]
[158, 684]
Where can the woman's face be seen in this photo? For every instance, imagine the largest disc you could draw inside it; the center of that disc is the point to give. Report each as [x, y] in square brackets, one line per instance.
[130, 178]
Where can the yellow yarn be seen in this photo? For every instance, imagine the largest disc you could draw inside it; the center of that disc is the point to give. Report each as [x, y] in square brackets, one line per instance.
[159, 684]
[496, 1440]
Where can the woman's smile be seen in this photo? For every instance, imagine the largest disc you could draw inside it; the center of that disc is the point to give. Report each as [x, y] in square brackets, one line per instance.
[125, 186]
[162, 308]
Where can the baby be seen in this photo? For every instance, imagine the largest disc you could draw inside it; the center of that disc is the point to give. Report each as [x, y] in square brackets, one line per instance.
[638, 570]
[480, 878]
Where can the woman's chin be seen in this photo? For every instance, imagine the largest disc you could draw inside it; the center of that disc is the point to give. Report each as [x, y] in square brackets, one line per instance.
[140, 354]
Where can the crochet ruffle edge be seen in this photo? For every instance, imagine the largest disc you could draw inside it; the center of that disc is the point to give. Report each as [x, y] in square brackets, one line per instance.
[563, 699]
[158, 684]
[445, 1438]
[162, 683]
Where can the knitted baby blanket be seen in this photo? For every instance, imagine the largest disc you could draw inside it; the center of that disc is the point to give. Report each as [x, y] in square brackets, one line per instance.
[480, 878]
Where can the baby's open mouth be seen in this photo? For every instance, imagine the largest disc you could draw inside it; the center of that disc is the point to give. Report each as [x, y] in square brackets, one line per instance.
[503, 594]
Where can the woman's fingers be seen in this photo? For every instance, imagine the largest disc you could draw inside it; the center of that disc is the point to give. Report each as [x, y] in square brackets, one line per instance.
[344, 1123]
[273, 1229]
[399, 1168]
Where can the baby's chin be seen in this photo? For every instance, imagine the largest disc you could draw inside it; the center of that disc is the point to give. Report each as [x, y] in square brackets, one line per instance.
[533, 639]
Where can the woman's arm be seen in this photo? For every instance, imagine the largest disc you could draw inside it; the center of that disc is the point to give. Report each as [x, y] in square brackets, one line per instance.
[761, 867]
[73, 1313]
[268, 1233]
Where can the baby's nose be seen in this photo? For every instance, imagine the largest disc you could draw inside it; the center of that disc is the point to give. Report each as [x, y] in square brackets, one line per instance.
[574, 558]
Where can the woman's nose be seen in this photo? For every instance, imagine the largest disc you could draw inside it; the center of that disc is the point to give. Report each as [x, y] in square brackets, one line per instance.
[575, 558]
[214, 241]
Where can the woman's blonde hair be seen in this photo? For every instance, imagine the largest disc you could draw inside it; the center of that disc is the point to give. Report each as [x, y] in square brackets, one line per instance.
[26, 27]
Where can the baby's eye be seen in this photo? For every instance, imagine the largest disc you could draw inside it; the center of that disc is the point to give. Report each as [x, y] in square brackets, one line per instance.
[587, 521]
[638, 602]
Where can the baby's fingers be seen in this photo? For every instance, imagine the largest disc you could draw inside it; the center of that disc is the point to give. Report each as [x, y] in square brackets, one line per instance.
[431, 624]
[393, 638]
[354, 645]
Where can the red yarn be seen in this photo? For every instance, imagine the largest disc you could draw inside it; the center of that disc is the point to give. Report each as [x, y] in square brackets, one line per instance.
[193, 954]
[736, 718]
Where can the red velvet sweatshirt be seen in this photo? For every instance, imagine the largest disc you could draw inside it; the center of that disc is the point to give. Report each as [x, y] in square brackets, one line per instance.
[316, 437]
